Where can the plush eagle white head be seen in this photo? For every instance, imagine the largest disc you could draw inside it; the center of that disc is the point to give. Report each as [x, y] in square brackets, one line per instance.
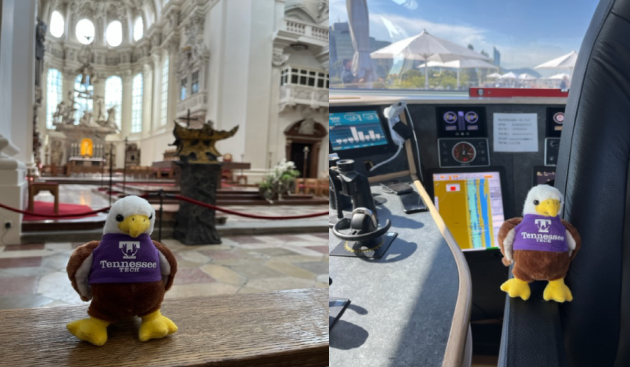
[130, 215]
[543, 200]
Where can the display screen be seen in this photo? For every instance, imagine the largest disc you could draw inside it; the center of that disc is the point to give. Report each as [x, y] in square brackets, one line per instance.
[353, 130]
[461, 121]
[555, 121]
[544, 176]
[471, 204]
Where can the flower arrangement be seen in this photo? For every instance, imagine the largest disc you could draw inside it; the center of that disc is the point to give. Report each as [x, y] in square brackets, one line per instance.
[279, 181]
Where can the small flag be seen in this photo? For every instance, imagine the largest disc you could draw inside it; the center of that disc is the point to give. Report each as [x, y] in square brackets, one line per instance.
[453, 187]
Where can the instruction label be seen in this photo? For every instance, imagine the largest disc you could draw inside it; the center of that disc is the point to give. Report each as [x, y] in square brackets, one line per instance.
[515, 132]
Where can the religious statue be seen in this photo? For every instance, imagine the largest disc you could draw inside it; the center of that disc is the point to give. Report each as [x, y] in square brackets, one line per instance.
[40, 38]
[100, 103]
[307, 127]
[86, 119]
[56, 152]
[111, 118]
[59, 114]
[198, 145]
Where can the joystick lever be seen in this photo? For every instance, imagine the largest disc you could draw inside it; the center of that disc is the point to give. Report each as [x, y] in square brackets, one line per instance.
[363, 224]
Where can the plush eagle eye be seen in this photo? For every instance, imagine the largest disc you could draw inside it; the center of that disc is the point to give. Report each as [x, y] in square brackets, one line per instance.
[536, 202]
[120, 218]
[151, 216]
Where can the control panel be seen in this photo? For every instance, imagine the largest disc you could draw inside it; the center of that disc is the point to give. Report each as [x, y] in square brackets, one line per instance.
[555, 121]
[461, 121]
[468, 152]
[552, 149]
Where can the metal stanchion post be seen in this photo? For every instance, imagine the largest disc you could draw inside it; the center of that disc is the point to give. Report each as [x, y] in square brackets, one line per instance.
[161, 194]
[111, 171]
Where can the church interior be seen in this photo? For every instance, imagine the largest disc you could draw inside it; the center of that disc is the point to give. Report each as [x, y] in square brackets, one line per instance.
[210, 110]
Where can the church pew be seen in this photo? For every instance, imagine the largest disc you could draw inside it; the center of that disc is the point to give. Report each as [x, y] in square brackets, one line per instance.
[284, 328]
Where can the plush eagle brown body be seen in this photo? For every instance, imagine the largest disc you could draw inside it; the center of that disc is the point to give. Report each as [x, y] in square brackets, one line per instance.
[540, 245]
[538, 265]
[126, 274]
[113, 302]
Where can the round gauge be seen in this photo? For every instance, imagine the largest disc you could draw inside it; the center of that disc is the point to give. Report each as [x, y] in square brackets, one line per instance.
[450, 117]
[472, 117]
[464, 152]
[558, 118]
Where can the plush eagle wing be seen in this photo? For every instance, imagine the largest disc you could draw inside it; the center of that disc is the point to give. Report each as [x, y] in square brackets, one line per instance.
[80, 264]
[506, 239]
[168, 264]
[79, 267]
[573, 239]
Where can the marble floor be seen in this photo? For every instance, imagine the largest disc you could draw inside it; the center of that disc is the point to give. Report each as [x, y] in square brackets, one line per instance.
[34, 275]
[84, 195]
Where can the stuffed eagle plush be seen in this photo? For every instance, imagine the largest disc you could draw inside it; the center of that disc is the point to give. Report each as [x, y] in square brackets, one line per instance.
[541, 246]
[125, 274]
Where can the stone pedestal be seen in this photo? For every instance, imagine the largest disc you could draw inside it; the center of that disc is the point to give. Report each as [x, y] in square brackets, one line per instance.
[195, 224]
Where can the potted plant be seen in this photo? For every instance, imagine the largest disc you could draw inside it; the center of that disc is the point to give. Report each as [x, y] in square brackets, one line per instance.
[280, 181]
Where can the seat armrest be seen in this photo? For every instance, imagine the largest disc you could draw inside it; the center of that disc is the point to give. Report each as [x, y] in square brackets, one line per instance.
[532, 332]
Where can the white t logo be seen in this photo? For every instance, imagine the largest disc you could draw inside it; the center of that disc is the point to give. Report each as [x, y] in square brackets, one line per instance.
[129, 248]
[543, 225]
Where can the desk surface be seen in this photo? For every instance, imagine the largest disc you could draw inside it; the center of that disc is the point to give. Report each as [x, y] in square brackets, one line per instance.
[403, 305]
[286, 328]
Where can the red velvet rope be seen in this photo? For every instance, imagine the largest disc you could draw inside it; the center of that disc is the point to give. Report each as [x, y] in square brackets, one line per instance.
[210, 206]
[178, 197]
[54, 215]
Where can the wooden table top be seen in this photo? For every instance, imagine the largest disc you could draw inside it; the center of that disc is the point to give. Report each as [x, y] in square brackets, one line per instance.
[285, 328]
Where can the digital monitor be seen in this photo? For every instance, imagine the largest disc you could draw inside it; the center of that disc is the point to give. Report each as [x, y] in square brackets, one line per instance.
[555, 121]
[544, 175]
[358, 132]
[471, 204]
[462, 121]
[352, 130]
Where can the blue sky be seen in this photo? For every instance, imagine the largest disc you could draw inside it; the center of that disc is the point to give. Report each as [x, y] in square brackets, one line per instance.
[527, 33]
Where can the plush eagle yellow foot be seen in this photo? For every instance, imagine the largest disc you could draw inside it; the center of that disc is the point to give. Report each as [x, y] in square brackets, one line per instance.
[155, 326]
[91, 330]
[517, 288]
[558, 291]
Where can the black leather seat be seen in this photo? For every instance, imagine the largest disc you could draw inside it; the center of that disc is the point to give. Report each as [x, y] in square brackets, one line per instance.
[592, 172]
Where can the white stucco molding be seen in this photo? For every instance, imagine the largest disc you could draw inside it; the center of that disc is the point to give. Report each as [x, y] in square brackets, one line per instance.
[7, 149]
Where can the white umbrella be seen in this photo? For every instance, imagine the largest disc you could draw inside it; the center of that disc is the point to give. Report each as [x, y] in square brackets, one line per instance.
[425, 47]
[563, 62]
[509, 75]
[526, 76]
[493, 75]
[460, 64]
[559, 76]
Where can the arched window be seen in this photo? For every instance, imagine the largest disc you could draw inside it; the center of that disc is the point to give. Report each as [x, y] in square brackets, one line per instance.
[138, 29]
[81, 103]
[136, 104]
[164, 92]
[113, 96]
[85, 31]
[54, 95]
[57, 24]
[114, 33]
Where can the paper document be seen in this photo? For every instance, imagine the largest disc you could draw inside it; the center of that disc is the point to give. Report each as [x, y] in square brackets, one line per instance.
[515, 132]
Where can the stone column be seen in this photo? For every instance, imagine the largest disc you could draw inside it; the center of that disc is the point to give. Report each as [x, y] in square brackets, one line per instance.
[147, 93]
[13, 190]
[157, 90]
[125, 117]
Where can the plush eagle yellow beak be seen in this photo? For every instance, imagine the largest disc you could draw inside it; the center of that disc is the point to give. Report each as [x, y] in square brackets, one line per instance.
[549, 208]
[135, 225]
